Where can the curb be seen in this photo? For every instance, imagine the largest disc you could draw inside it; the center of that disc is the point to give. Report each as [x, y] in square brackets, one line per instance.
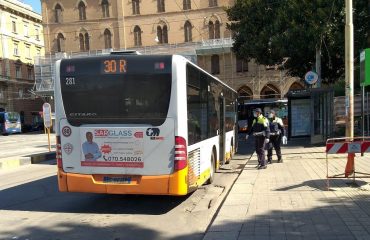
[40, 157]
[224, 199]
[17, 161]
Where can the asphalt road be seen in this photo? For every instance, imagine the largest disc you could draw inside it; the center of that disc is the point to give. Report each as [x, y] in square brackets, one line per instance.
[25, 144]
[32, 208]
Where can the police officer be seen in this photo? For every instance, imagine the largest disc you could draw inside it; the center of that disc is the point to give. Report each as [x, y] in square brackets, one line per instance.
[261, 132]
[277, 133]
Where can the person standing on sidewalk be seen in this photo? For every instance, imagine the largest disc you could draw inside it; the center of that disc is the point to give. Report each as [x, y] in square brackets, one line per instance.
[277, 133]
[261, 132]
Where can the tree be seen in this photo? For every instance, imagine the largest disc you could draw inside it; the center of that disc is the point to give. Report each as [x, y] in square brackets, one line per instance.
[272, 31]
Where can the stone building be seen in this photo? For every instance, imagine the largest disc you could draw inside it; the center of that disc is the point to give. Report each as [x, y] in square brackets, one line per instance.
[195, 28]
[21, 39]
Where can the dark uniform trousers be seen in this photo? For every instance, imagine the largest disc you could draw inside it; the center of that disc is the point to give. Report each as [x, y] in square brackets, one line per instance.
[261, 132]
[275, 142]
[260, 149]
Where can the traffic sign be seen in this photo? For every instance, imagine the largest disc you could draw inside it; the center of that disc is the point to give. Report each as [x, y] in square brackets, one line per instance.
[46, 113]
[311, 77]
[354, 147]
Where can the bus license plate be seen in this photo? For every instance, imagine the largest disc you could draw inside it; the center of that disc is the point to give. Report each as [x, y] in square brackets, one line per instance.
[117, 180]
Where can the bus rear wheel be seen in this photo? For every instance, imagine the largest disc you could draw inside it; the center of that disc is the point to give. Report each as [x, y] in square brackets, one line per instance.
[231, 153]
[212, 170]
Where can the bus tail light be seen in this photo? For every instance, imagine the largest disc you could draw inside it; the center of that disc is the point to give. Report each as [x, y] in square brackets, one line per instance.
[59, 153]
[181, 155]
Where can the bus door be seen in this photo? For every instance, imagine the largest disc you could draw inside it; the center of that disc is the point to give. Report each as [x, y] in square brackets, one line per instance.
[222, 133]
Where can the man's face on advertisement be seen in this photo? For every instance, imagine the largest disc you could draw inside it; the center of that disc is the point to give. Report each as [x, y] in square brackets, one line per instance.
[89, 137]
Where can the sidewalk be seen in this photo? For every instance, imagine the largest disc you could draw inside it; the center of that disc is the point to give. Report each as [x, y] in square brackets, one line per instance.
[32, 158]
[290, 200]
[21, 149]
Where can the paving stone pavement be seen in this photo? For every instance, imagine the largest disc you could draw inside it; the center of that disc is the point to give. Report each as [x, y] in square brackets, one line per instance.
[290, 200]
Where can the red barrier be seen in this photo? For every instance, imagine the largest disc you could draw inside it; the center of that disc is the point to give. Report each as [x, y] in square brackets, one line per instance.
[336, 148]
[349, 146]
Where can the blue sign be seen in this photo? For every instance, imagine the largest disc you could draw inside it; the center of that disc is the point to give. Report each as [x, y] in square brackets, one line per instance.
[311, 77]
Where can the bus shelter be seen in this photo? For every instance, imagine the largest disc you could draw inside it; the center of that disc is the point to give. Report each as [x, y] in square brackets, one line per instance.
[311, 114]
[246, 108]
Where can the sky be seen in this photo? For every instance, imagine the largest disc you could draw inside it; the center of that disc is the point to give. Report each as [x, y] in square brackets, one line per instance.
[36, 4]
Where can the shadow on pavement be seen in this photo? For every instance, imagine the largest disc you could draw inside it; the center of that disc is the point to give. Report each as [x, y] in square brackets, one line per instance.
[332, 218]
[85, 230]
[43, 196]
[343, 218]
[320, 184]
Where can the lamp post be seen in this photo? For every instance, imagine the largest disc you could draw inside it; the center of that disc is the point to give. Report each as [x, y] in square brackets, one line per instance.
[349, 69]
[349, 84]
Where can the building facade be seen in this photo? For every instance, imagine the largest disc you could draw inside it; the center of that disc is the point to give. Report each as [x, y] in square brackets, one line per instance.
[195, 28]
[21, 39]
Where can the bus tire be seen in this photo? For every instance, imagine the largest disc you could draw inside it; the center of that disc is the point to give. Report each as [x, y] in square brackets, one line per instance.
[231, 152]
[213, 169]
[232, 149]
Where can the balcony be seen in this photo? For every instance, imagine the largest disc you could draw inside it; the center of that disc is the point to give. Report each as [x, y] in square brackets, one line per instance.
[215, 46]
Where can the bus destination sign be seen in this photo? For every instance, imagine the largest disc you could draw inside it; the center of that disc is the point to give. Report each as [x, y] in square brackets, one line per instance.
[114, 66]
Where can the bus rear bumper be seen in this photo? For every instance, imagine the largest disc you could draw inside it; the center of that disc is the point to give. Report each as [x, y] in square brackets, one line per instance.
[173, 184]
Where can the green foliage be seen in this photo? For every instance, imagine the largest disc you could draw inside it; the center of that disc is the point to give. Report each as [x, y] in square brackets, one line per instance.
[271, 31]
[339, 88]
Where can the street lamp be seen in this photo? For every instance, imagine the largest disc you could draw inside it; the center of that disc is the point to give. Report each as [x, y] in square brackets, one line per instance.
[349, 83]
[349, 68]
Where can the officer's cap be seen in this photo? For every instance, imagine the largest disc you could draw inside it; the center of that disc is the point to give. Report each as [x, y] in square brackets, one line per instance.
[258, 110]
[272, 111]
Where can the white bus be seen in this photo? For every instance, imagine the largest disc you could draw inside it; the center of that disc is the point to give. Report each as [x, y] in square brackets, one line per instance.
[136, 124]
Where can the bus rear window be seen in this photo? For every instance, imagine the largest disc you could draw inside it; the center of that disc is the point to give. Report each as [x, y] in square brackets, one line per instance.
[139, 96]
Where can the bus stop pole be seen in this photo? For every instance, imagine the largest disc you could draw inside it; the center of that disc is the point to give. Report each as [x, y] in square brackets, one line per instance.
[363, 110]
[49, 139]
[367, 113]
[363, 114]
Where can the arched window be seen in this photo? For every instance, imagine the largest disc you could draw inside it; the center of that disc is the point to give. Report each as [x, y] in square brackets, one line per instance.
[105, 8]
[60, 42]
[211, 30]
[135, 7]
[296, 86]
[107, 39]
[137, 36]
[212, 3]
[186, 4]
[215, 64]
[87, 42]
[82, 10]
[82, 42]
[159, 34]
[217, 30]
[161, 6]
[188, 32]
[58, 13]
[245, 93]
[162, 34]
[270, 91]
[165, 34]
